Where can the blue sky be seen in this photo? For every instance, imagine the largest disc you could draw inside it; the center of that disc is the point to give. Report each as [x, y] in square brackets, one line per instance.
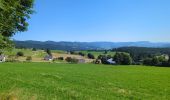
[99, 20]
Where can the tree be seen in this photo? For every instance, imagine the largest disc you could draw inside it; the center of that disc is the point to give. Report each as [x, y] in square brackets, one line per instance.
[71, 60]
[49, 52]
[122, 58]
[105, 52]
[90, 56]
[81, 54]
[60, 58]
[169, 58]
[14, 15]
[147, 61]
[13, 18]
[72, 52]
[20, 53]
[118, 58]
[104, 59]
[127, 60]
[155, 61]
[34, 49]
[5, 43]
[100, 57]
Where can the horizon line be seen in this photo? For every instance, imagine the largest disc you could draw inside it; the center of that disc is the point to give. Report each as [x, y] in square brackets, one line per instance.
[92, 41]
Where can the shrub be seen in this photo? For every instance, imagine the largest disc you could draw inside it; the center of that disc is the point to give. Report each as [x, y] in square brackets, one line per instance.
[55, 59]
[68, 59]
[74, 60]
[81, 54]
[72, 52]
[147, 61]
[97, 61]
[34, 49]
[104, 59]
[90, 56]
[60, 58]
[71, 60]
[105, 52]
[20, 53]
[100, 57]
[11, 58]
[29, 58]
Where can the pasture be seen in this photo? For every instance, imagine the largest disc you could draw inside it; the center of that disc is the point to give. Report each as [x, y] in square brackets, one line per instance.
[97, 53]
[50, 81]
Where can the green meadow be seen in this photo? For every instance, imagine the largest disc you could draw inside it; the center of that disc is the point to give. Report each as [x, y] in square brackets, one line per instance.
[26, 52]
[50, 81]
[97, 53]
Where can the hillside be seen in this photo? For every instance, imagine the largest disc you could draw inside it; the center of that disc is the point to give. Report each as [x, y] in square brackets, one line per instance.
[85, 45]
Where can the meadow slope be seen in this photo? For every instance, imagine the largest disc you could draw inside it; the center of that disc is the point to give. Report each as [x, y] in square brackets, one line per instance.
[49, 81]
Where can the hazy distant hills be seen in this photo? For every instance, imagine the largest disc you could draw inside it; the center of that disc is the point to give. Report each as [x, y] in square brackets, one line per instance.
[85, 45]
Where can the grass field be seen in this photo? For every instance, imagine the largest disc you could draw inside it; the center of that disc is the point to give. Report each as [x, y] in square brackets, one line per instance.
[49, 81]
[97, 53]
[27, 52]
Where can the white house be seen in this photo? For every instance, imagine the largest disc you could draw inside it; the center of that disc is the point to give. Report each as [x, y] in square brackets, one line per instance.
[48, 58]
[2, 58]
[110, 61]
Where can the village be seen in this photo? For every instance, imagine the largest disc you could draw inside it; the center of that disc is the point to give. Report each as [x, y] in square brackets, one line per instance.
[30, 55]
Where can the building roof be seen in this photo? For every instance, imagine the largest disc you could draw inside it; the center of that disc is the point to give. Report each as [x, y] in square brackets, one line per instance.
[48, 57]
[2, 57]
[111, 61]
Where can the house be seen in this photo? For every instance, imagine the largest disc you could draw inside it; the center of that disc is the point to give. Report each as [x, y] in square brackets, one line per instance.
[166, 57]
[2, 58]
[81, 61]
[110, 61]
[48, 58]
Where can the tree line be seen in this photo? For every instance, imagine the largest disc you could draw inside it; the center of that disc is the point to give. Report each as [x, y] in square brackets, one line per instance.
[147, 56]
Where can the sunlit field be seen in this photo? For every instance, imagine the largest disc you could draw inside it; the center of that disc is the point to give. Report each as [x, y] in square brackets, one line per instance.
[50, 81]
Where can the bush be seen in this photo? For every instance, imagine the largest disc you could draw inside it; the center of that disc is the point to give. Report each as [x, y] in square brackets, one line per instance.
[34, 49]
[97, 61]
[20, 53]
[147, 61]
[105, 52]
[60, 58]
[11, 58]
[74, 60]
[100, 57]
[81, 54]
[71, 60]
[156, 61]
[103, 59]
[72, 52]
[29, 58]
[55, 59]
[68, 59]
[90, 56]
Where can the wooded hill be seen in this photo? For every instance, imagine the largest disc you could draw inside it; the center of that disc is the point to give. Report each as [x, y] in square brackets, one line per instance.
[85, 45]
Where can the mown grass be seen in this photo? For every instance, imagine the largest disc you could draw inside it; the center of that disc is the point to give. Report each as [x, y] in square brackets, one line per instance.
[49, 81]
[27, 52]
[59, 51]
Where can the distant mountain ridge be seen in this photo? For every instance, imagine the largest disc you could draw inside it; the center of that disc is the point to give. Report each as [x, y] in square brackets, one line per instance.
[86, 45]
